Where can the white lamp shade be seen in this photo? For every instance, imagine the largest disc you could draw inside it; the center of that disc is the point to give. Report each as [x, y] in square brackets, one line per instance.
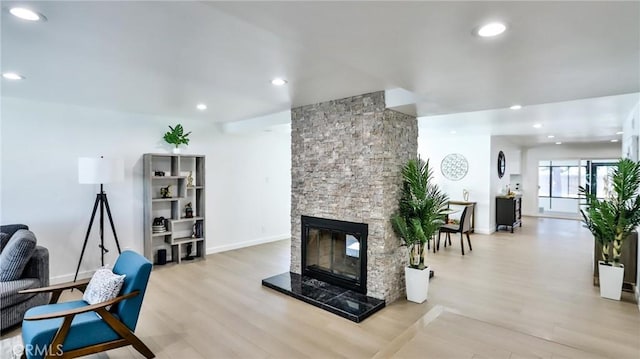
[98, 170]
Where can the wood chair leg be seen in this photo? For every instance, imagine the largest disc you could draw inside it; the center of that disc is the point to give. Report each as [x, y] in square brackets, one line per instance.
[469, 241]
[461, 243]
[58, 339]
[125, 333]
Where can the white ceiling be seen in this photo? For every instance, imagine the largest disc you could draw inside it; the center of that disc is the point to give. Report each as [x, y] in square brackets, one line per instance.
[579, 121]
[164, 57]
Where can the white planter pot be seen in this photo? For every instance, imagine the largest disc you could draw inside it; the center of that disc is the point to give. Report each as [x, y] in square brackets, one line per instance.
[610, 280]
[417, 284]
[176, 150]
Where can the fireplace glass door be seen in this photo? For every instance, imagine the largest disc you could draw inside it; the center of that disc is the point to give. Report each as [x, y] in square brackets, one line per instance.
[335, 252]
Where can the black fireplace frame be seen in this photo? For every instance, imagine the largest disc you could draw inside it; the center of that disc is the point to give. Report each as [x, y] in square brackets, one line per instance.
[361, 230]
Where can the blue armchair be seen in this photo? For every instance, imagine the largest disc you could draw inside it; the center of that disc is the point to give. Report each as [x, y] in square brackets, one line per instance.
[73, 329]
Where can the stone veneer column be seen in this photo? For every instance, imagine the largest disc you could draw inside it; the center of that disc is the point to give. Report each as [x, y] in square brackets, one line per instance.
[346, 160]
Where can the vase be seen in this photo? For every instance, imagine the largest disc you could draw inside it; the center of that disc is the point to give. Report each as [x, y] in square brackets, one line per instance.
[417, 284]
[610, 279]
[176, 150]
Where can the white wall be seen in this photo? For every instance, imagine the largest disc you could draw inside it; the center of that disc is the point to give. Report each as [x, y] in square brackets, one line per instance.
[248, 178]
[532, 156]
[477, 150]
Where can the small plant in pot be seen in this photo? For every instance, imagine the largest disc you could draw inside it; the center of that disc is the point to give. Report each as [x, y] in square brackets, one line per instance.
[611, 220]
[421, 213]
[177, 137]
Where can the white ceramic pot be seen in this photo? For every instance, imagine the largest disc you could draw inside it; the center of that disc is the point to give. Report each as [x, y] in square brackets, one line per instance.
[610, 280]
[417, 284]
[176, 150]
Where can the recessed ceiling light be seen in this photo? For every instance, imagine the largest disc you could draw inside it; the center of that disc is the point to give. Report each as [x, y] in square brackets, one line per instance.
[537, 125]
[12, 76]
[551, 136]
[201, 107]
[619, 133]
[453, 132]
[26, 14]
[516, 107]
[614, 140]
[278, 81]
[491, 29]
[558, 143]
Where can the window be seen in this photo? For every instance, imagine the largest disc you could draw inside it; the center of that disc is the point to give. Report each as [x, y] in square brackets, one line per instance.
[561, 179]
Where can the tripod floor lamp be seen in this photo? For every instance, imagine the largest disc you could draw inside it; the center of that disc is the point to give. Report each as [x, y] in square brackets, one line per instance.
[99, 170]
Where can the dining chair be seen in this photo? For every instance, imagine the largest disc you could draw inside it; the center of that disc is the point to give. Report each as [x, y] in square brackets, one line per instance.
[464, 227]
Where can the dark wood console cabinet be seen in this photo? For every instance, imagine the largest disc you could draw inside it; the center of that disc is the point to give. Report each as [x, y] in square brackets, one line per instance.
[508, 212]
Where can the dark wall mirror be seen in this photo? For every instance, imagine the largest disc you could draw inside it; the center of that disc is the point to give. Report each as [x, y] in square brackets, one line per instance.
[501, 164]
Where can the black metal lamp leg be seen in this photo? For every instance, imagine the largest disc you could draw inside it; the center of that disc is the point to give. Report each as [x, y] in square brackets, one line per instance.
[113, 227]
[101, 199]
[86, 237]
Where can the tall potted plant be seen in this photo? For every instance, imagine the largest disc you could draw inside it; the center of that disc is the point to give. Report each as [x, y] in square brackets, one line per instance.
[611, 220]
[177, 137]
[420, 215]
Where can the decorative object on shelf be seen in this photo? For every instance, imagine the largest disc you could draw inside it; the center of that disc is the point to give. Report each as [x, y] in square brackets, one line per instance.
[161, 257]
[158, 173]
[465, 195]
[165, 192]
[454, 166]
[501, 164]
[188, 211]
[422, 212]
[99, 171]
[611, 220]
[190, 179]
[158, 225]
[177, 137]
[189, 257]
[193, 230]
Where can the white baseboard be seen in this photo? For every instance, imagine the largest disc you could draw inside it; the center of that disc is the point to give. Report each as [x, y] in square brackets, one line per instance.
[483, 230]
[249, 243]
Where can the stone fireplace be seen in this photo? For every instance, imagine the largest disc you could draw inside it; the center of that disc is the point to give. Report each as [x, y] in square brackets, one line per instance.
[346, 160]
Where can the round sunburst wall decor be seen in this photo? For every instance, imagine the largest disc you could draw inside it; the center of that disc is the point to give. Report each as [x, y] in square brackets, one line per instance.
[454, 166]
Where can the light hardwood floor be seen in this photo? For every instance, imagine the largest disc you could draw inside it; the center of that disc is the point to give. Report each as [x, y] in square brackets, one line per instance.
[535, 283]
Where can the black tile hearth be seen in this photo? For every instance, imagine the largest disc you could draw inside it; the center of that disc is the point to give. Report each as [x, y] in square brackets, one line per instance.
[337, 300]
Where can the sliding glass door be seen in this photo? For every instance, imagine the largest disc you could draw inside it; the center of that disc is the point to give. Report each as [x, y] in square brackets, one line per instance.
[558, 183]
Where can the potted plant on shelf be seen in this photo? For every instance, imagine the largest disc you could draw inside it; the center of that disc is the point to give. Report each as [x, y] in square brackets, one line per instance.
[177, 137]
[421, 213]
[611, 220]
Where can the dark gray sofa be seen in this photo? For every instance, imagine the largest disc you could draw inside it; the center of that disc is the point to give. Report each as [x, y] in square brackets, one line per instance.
[36, 274]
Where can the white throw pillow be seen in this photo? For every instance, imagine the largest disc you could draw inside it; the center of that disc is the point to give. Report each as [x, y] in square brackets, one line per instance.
[104, 286]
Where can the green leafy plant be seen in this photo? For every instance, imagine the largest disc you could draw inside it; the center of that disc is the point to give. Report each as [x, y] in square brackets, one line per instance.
[612, 219]
[177, 136]
[421, 209]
